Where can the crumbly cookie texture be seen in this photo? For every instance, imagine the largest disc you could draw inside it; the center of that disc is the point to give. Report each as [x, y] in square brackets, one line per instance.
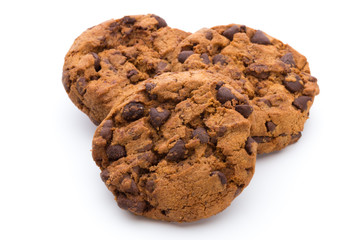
[177, 149]
[109, 59]
[274, 76]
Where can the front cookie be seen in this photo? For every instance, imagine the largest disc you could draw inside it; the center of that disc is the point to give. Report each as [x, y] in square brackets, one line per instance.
[177, 149]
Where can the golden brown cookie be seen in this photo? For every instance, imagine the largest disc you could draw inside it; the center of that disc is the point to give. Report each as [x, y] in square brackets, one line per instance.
[177, 149]
[110, 58]
[274, 76]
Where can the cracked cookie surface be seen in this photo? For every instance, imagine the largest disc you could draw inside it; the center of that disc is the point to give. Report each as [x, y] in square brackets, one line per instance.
[107, 60]
[178, 149]
[274, 76]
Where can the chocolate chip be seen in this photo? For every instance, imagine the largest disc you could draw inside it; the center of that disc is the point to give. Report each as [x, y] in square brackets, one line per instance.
[301, 102]
[239, 190]
[161, 67]
[81, 85]
[201, 134]
[205, 58]
[114, 152]
[248, 145]
[130, 74]
[66, 80]
[219, 58]
[148, 88]
[244, 110]
[133, 111]
[130, 204]
[97, 65]
[158, 118]
[106, 131]
[243, 28]
[266, 101]
[128, 185]
[288, 58]
[260, 71]
[184, 55]
[229, 33]
[270, 126]
[294, 86]
[161, 21]
[224, 94]
[261, 139]
[105, 174]
[312, 79]
[177, 152]
[219, 84]
[129, 20]
[221, 176]
[260, 38]
[209, 35]
[295, 137]
[150, 185]
[221, 131]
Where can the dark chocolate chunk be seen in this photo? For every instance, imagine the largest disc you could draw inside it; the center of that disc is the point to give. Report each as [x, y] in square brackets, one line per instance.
[130, 74]
[150, 185]
[260, 71]
[261, 139]
[129, 20]
[248, 145]
[201, 134]
[221, 131]
[301, 102]
[148, 88]
[205, 58]
[161, 21]
[158, 118]
[294, 86]
[219, 58]
[229, 33]
[219, 84]
[97, 65]
[130, 204]
[270, 126]
[266, 101]
[114, 152]
[221, 176]
[243, 28]
[66, 80]
[133, 111]
[244, 110]
[260, 38]
[209, 35]
[105, 174]
[288, 58]
[177, 152]
[239, 190]
[224, 94]
[81, 85]
[106, 131]
[295, 137]
[129, 186]
[184, 55]
[161, 67]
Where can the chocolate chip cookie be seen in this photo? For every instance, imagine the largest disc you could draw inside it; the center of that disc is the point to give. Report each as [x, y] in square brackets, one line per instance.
[179, 147]
[274, 76]
[107, 60]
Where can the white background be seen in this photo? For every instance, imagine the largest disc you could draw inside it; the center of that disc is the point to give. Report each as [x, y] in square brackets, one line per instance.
[50, 187]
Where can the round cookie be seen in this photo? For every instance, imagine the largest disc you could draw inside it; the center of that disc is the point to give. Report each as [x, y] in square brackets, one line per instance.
[177, 149]
[274, 76]
[110, 58]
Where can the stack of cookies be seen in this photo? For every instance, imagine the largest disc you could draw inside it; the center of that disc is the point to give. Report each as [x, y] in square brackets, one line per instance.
[182, 116]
